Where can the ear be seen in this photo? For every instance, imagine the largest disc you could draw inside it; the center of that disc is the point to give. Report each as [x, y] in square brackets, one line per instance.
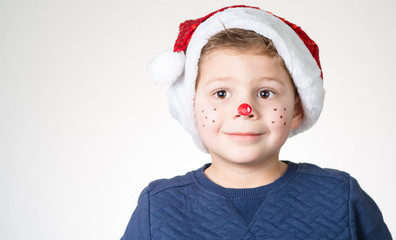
[298, 113]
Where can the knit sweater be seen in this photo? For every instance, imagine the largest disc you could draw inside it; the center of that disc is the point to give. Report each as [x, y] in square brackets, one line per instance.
[307, 202]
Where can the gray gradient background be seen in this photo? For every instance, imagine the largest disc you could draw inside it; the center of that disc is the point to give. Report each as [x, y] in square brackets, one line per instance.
[83, 130]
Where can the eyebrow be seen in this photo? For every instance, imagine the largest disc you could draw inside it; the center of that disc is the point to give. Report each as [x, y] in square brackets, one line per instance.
[270, 79]
[261, 79]
[215, 81]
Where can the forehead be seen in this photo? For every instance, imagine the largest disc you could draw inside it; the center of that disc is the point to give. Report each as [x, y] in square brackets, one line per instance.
[235, 64]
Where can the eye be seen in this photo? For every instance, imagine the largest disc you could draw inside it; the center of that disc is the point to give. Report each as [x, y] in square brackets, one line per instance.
[222, 94]
[266, 94]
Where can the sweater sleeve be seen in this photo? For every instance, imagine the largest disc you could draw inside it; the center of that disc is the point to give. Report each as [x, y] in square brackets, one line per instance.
[139, 225]
[365, 217]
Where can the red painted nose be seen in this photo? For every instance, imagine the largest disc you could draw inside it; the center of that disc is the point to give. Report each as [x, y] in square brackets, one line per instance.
[244, 109]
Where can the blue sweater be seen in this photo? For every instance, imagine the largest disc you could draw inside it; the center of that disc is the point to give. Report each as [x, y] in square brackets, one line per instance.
[307, 202]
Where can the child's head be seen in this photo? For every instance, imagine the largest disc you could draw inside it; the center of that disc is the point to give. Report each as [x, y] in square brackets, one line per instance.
[257, 44]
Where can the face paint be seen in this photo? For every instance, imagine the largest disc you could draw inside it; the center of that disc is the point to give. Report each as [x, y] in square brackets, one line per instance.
[284, 123]
[244, 109]
[207, 116]
[280, 116]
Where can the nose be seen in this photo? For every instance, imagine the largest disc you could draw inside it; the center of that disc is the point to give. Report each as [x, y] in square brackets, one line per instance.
[245, 110]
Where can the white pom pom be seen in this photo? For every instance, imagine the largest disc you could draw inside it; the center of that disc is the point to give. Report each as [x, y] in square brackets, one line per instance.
[166, 67]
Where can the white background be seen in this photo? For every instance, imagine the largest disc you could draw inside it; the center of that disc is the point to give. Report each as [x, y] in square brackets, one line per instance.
[83, 130]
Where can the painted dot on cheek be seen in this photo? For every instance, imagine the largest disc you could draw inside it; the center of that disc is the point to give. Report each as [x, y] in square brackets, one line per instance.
[281, 116]
[285, 109]
[206, 117]
[284, 123]
[213, 120]
[273, 121]
[214, 109]
[275, 109]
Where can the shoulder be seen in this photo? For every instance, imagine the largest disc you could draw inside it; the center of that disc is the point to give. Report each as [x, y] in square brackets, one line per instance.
[310, 177]
[170, 184]
[324, 173]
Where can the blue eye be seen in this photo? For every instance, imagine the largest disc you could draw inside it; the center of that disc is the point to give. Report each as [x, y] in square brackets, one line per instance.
[222, 94]
[266, 94]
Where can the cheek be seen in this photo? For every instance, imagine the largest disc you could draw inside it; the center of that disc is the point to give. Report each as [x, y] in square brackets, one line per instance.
[208, 118]
[279, 117]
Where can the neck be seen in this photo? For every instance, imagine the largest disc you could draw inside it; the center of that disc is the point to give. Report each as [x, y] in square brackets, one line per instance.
[236, 175]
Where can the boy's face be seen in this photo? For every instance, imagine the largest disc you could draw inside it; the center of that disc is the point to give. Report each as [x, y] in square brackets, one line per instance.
[226, 80]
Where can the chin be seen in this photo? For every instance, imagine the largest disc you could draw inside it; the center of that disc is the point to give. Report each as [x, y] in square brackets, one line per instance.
[249, 157]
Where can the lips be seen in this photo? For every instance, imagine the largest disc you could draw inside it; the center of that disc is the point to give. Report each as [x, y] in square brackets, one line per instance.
[247, 136]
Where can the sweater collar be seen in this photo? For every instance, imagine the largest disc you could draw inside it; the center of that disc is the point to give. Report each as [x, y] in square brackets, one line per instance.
[206, 183]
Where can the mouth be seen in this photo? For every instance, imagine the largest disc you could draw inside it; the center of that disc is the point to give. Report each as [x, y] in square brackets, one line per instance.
[245, 136]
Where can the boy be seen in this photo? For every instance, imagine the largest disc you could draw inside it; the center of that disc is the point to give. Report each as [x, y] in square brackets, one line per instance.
[243, 81]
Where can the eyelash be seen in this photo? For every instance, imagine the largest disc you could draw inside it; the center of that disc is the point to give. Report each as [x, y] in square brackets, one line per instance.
[270, 92]
[215, 93]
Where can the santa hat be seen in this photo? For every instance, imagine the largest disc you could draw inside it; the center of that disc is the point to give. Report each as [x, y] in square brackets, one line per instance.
[178, 69]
